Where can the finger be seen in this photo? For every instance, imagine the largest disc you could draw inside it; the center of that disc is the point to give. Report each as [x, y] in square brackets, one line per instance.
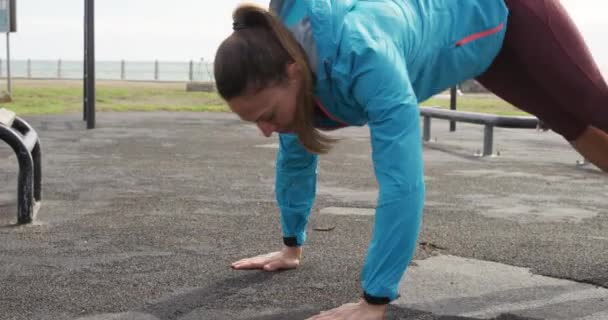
[260, 257]
[236, 263]
[318, 317]
[241, 261]
[280, 264]
[274, 265]
[252, 263]
[249, 265]
[325, 317]
[327, 314]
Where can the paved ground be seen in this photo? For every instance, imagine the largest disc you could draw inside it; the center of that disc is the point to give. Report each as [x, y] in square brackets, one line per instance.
[142, 217]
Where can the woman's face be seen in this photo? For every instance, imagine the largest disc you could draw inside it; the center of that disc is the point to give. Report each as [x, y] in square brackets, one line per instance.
[271, 109]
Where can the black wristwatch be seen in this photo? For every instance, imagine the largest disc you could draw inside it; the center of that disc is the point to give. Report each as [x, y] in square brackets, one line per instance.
[377, 301]
[290, 241]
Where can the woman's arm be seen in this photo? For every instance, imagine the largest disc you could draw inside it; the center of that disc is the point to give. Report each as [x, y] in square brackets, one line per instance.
[381, 84]
[295, 187]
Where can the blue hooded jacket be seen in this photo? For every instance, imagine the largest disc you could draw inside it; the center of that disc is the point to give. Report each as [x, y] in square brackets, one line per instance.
[374, 61]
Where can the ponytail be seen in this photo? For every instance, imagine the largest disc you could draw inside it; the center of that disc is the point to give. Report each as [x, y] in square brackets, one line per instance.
[256, 55]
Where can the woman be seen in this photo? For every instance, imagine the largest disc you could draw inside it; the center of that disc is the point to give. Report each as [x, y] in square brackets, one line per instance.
[314, 65]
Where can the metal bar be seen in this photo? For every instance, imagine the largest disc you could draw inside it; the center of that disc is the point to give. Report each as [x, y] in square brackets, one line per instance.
[32, 143]
[13, 15]
[85, 95]
[453, 98]
[481, 118]
[25, 199]
[59, 69]
[122, 70]
[156, 70]
[21, 126]
[36, 157]
[28, 134]
[191, 71]
[26, 130]
[29, 68]
[90, 80]
[426, 136]
[8, 62]
[488, 140]
[30, 140]
[8, 47]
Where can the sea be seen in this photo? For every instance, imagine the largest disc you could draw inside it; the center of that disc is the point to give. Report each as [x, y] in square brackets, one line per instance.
[111, 70]
[122, 70]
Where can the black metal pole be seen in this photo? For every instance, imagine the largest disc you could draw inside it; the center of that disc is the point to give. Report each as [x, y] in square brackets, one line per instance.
[84, 64]
[90, 75]
[453, 93]
[8, 48]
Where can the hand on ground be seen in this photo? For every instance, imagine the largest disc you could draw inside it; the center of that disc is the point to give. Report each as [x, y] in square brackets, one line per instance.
[288, 258]
[353, 311]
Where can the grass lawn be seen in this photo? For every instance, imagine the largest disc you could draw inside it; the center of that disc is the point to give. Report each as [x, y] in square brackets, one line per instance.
[62, 96]
[484, 103]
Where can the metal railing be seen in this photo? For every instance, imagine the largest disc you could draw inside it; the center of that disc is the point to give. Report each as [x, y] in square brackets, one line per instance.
[488, 120]
[111, 70]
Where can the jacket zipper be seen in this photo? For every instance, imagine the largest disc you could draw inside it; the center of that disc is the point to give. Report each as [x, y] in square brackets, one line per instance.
[480, 35]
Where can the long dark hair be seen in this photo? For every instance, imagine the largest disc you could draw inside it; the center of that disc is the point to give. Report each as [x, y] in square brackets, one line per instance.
[256, 56]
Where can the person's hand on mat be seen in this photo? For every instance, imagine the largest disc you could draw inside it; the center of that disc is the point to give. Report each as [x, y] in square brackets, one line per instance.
[353, 311]
[288, 258]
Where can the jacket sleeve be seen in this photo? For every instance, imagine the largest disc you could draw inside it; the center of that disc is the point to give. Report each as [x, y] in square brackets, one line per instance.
[296, 168]
[381, 85]
[295, 187]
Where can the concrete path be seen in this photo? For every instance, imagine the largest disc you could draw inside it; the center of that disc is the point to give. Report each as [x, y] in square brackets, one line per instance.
[143, 215]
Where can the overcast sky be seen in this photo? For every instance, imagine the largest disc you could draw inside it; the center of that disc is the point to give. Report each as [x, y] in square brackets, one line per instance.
[182, 30]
